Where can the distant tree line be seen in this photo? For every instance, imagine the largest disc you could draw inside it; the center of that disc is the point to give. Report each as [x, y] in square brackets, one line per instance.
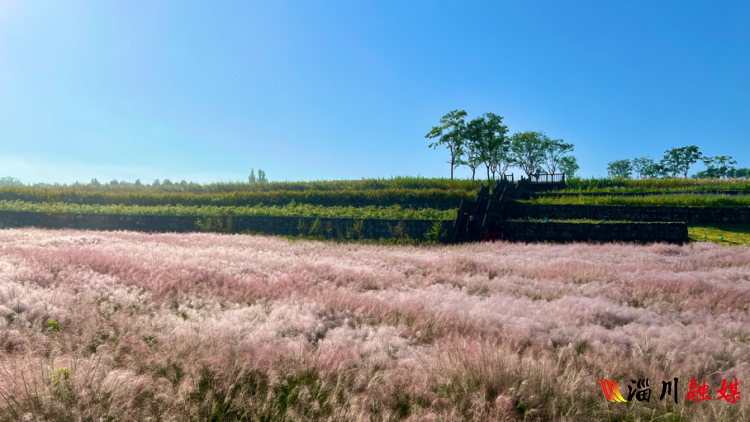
[677, 162]
[12, 181]
[484, 142]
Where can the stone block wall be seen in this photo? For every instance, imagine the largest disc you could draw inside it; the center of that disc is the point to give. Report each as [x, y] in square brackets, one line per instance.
[582, 232]
[341, 227]
[291, 226]
[692, 215]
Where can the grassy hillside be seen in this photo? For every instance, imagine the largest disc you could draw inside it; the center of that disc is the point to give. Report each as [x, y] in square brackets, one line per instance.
[576, 185]
[295, 210]
[400, 182]
[387, 196]
[721, 234]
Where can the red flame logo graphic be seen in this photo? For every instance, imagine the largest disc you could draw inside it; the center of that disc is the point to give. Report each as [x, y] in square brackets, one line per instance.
[611, 391]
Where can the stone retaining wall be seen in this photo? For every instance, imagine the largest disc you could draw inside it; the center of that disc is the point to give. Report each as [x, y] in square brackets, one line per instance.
[346, 227]
[291, 226]
[581, 232]
[692, 215]
[629, 194]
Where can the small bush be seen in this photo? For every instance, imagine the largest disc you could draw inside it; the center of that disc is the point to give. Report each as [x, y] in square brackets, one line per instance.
[54, 325]
[355, 232]
[315, 229]
[215, 224]
[435, 233]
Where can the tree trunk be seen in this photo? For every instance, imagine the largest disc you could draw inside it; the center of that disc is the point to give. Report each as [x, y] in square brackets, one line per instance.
[473, 172]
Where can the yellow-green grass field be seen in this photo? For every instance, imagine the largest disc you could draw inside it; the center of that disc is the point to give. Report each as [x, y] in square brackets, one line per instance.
[722, 234]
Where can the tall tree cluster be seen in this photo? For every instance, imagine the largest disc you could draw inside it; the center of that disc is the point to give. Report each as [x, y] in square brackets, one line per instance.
[484, 142]
[677, 162]
[260, 179]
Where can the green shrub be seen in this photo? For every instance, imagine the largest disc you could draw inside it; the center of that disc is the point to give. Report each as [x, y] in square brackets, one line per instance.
[214, 223]
[54, 325]
[435, 233]
[62, 374]
[301, 228]
[315, 228]
[355, 232]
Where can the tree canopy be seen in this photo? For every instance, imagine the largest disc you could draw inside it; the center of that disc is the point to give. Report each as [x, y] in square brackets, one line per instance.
[528, 151]
[486, 136]
[450, 133]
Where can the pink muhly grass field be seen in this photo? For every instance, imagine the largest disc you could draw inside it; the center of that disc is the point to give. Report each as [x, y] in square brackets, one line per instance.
[131, 327]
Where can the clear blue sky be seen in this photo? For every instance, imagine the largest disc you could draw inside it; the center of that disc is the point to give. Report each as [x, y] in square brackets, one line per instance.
[205, 90]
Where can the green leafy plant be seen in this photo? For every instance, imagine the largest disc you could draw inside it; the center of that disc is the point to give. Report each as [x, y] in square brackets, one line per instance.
[214, 223]
[329, 230]
[301, 227]
[61, 385]
[54, 325]
[435, 233]
[62, 374]
[315, 229]
[355, 232]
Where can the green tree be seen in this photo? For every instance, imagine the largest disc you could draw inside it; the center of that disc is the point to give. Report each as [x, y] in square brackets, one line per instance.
[10, 181]
[262, 176]
[569, 165]
[719, 166]
[251, 178]
[486, 135]
[555, 152]
[471, 157]
[739, 172]
[450, 134]
[679, 160]
[528, 150]
[643, 166]
[501, 160]
[656, 170]
[619, 169]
